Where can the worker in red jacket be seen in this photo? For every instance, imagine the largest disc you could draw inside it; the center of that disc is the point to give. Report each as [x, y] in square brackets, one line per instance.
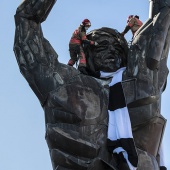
[75, 46]
[133, 24]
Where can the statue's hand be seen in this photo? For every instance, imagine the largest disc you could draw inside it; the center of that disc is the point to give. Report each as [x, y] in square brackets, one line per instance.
[35, 10]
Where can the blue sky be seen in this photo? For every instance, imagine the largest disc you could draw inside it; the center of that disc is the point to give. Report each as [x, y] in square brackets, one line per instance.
[22, 127]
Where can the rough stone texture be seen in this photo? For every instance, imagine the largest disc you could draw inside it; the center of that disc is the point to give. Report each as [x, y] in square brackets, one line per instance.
[75, 105]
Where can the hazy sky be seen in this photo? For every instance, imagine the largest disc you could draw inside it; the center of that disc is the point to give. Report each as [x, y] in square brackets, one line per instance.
[22, 127]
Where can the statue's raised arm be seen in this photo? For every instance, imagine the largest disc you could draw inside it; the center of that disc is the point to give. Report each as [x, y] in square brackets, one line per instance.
[76, 105]
[146, 78]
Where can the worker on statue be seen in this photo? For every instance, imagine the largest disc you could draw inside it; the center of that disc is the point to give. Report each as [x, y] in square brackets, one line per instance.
[75, 46]
[133, 24]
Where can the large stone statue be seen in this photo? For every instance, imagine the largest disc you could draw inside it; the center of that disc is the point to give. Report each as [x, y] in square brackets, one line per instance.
[75, 105]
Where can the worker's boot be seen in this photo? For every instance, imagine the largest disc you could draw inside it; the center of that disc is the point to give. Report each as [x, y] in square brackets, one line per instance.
[83, 70]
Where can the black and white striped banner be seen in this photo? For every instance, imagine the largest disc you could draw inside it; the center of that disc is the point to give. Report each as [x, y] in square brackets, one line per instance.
[120, 138]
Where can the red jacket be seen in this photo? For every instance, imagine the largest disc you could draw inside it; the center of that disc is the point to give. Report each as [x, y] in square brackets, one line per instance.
[79, 36]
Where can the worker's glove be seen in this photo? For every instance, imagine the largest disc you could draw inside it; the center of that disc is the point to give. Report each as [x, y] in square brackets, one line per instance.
[96, 43]
[83, 70]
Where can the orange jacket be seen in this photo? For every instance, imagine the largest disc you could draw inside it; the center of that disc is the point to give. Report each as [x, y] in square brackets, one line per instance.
[79, 36]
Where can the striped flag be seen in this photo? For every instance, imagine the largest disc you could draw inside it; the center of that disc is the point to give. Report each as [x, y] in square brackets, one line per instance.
[120, 138]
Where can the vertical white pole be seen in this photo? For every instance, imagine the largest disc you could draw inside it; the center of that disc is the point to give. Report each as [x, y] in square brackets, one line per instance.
[150, 8]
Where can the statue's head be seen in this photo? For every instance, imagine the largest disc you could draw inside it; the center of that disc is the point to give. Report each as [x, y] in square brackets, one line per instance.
[110, 54]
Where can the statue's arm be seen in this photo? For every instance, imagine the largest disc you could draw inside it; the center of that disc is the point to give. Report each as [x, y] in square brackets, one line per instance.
[158, 47]
[36, 58]
[34, 54]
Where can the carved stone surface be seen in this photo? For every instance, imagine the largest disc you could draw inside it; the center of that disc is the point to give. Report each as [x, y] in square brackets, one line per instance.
[75, 105]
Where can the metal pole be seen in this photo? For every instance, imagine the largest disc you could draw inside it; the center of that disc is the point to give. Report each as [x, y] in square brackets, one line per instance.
[150, 8]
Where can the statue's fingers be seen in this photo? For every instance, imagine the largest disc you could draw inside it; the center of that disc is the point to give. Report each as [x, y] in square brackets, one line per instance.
[35, 10]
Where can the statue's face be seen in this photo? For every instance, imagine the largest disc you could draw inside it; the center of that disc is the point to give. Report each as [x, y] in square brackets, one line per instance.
[111, 52]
